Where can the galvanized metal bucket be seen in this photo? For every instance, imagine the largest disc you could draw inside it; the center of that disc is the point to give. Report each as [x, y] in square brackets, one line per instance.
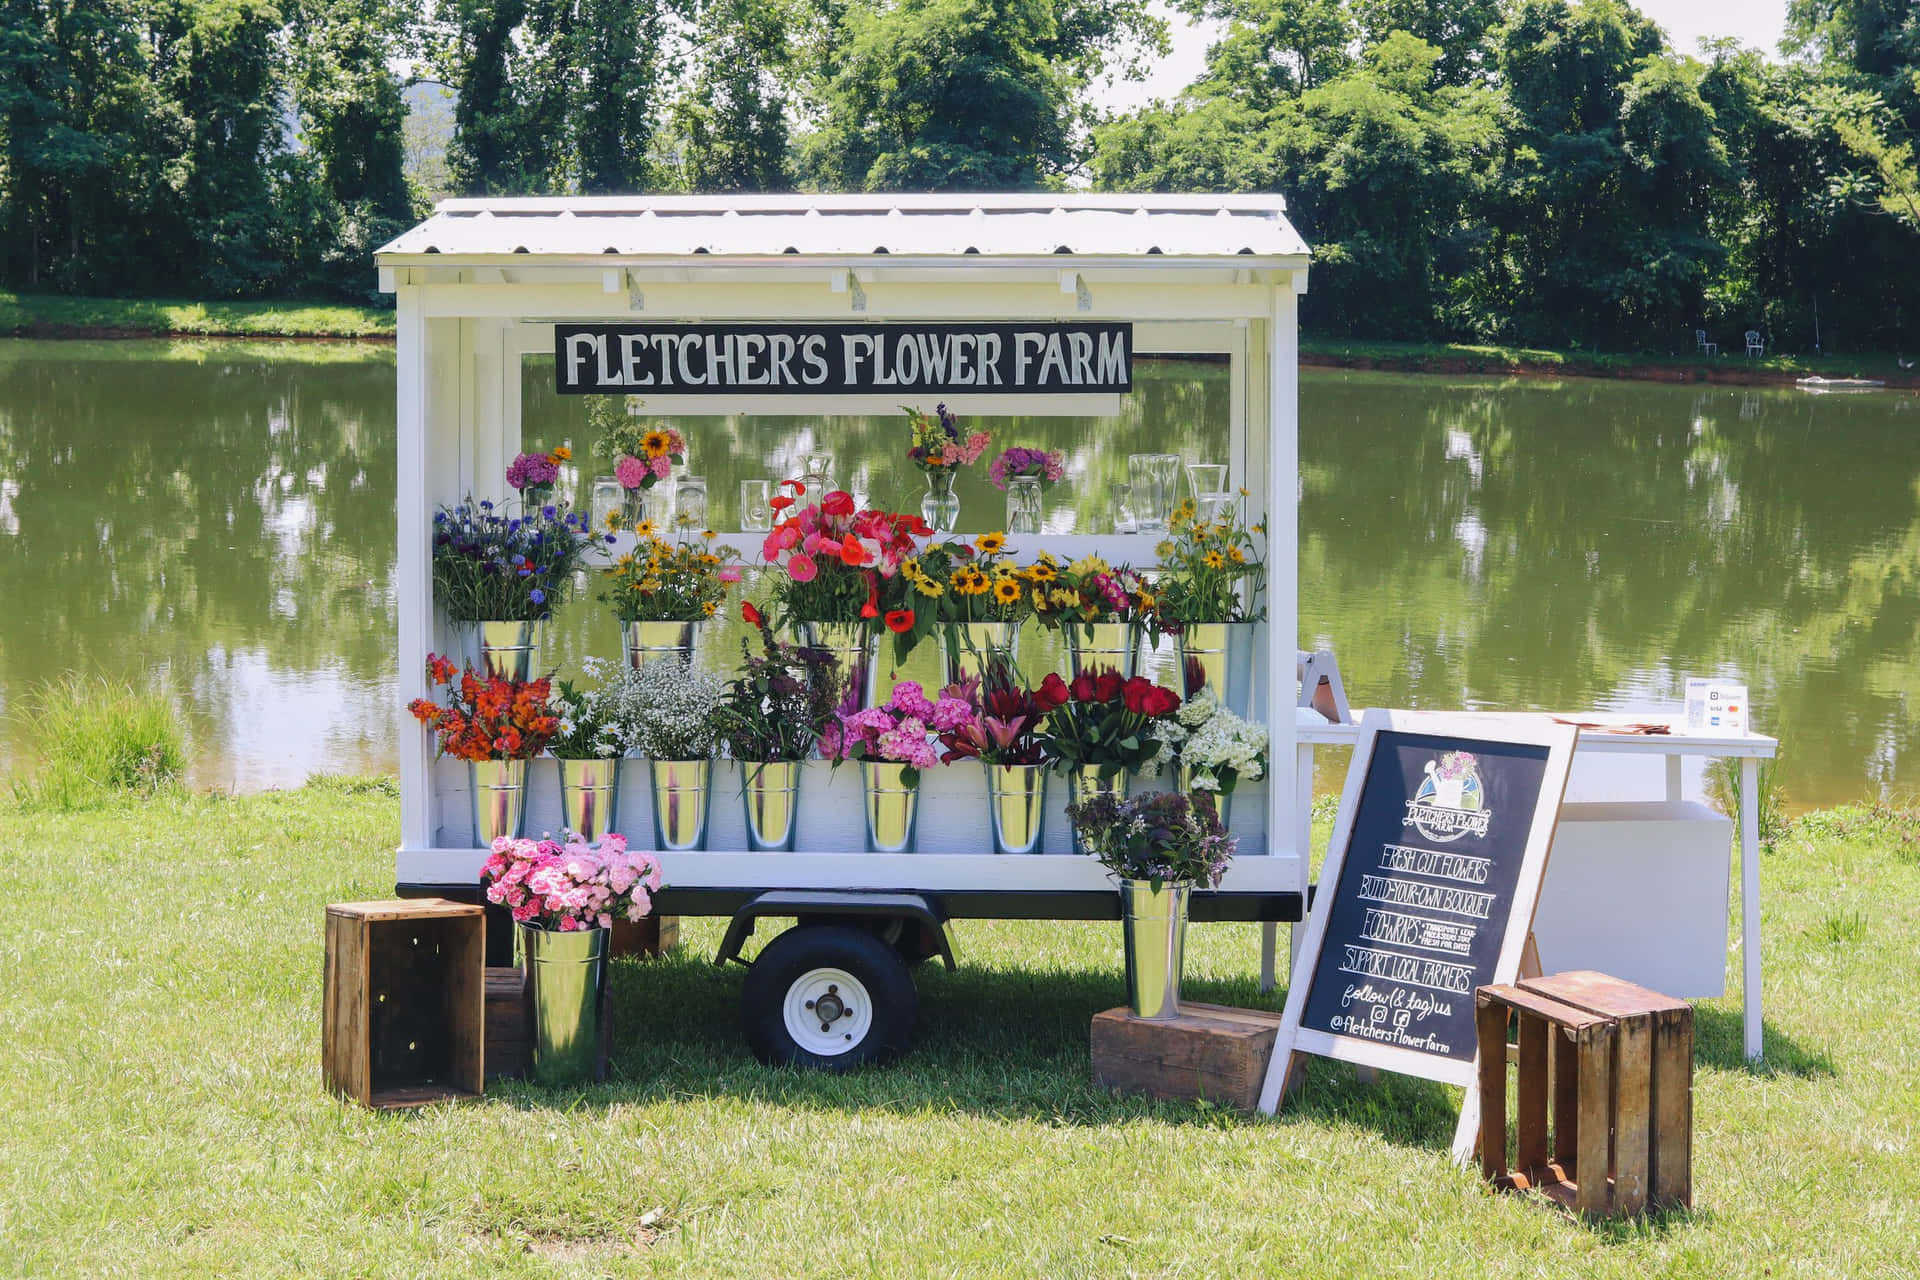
[646, 641]
[1084, 783]
[1219, 655]
[590, 796]
[510, 650]
[1017, 803]
[771, 791]
[1155, 925]
[566, 973]
[966, 647]
[682, 800]
[853, 646]
[498, 790]
[1095, 646]
[892, 807]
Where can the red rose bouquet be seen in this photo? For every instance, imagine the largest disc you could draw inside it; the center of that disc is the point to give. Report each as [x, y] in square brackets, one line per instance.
[1101, 719]
[488, 717]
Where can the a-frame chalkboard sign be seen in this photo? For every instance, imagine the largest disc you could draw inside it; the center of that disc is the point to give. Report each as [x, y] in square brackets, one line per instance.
[1428, 892]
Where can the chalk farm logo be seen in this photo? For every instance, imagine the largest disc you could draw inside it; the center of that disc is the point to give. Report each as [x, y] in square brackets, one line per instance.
[1450, 801]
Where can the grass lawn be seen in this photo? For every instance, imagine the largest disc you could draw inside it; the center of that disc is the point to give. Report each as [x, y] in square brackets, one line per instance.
[162, 964]
[48, 315]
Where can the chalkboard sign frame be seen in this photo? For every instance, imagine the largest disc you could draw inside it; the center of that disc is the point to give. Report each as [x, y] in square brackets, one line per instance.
[1468, 729]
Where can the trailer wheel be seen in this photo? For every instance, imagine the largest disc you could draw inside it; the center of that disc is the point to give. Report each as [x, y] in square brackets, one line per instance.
[827, 997]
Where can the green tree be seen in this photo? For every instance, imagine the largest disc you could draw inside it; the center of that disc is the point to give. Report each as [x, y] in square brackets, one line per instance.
[967, 95]
[730, 123]
[1461, 30]
[1273, 49]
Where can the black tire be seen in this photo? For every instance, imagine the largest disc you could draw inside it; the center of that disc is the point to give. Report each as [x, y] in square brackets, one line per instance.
[833, 963]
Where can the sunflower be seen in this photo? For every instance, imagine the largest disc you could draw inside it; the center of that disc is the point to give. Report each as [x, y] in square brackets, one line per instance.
[970, 582]
[1006, 591]
[990, 543]
[1042, 571]
[655, 443]
[928, 587]
[1214, 560]
[560, 454]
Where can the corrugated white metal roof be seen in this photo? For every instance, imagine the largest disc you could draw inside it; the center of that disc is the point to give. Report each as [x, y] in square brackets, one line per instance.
[840, 227]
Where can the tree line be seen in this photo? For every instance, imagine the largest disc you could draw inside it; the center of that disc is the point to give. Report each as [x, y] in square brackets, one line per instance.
[1537, 171]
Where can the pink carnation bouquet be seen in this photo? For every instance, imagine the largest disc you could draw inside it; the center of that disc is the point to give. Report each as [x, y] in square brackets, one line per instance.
[903, 729]
[571, 886]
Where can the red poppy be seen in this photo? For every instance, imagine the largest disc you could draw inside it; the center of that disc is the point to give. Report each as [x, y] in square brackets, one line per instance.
[1052, 692]
[838, 503]
[752, 615]
[794, 485]
[871, 609]
[899, 620]
[780, 503]
[852, 553]
[1107, 685]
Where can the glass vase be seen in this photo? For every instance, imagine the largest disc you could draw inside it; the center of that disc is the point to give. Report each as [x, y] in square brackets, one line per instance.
[940, 509]
[1024, 500]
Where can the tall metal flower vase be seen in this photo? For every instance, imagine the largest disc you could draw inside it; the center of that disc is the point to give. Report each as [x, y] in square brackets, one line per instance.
[771, 792]
[1219, 655]
[1155, 925]
[566, 976]
[1095, 646]
[940, 509]
[856, 648]
[893, 804]
[646, 642]
[967, 646]
[682, 801]
[510, 650]
[590, 796]
[1017, 805]
[1084, 783]
[498, 791]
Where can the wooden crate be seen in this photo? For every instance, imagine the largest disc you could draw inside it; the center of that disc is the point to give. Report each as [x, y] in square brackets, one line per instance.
[509, 1031]
[1209, 1051]
[1614, 1063]
[649, 936]
[404, 1003]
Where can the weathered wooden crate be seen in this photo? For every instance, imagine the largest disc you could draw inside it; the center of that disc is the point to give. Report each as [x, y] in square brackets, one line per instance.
[404, 1001]
[509, 1031]
[1209, 1051]
[1617, 1062]
[651, 936]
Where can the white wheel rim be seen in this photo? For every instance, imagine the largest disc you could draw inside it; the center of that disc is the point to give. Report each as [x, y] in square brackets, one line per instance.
[828, 1012]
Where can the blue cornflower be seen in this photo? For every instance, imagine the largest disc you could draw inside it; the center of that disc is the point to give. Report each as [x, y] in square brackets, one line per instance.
[547, 512]
[486, 505]
[538, 596]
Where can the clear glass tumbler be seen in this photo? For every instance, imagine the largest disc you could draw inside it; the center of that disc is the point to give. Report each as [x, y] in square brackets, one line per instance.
[756, 511]
[1206, 477]
[1023, 505]
[690, 497]
[1152, 477]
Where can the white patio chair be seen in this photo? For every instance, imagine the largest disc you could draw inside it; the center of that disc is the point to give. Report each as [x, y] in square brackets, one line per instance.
[1701, 344]
[1756, 345]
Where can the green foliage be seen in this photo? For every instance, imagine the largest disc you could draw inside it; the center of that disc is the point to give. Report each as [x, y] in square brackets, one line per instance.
[97, 741]
[1724, 789]
[962, 95]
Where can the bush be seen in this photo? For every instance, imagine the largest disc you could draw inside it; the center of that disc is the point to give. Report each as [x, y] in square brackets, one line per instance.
[95, 741]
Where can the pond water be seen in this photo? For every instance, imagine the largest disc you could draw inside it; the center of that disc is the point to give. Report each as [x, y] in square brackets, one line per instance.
[220, 517]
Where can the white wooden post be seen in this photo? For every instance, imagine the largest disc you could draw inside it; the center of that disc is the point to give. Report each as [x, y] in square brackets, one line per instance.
[414, 580]
[1283, 567]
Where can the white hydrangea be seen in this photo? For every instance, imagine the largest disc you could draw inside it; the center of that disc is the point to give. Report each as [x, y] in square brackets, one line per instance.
[1217, 747]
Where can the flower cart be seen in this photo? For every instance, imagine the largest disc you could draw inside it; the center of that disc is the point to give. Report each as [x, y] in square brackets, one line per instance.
[825, 305]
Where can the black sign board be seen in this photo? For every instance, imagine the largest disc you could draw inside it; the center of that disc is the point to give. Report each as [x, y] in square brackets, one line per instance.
[1428, 890]
[843, 359]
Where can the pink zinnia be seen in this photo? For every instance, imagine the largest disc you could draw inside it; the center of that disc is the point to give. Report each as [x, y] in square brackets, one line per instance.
[801, 568]
[662, 465]
[729, 574]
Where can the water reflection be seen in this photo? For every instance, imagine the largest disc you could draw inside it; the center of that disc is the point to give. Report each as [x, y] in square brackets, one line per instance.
[221, 515]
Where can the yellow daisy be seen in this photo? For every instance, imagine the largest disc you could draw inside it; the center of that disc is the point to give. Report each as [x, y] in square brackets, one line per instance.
[1236, 555]
[1214, 560]
[644, 529]
[708, 607]
[560, 454]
